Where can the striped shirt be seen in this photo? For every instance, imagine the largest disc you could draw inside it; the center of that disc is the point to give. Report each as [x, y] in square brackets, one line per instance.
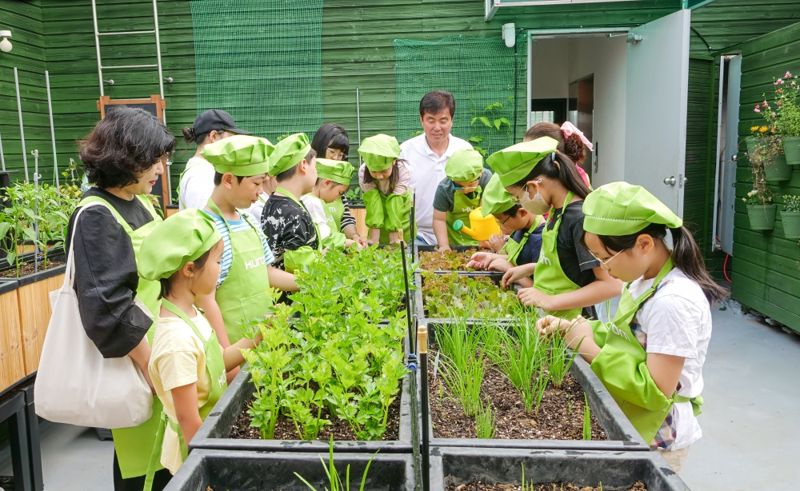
[227, 250]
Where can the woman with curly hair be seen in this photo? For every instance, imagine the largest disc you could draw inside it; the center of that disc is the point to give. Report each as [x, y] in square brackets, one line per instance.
[124, 156]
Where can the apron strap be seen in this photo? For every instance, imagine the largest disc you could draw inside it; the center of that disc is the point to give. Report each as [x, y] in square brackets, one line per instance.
[697, 402]
[155, 453]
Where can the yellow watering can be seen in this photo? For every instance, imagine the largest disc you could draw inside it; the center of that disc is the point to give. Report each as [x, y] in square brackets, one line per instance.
[482, 227]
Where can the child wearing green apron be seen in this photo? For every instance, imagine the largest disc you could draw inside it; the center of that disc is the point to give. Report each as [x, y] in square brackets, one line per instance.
[650, 357]
[524, 232]
[457, 195]
[333, 180]
[187, 364]
[386, 183]
[244, 289]
[566, 278]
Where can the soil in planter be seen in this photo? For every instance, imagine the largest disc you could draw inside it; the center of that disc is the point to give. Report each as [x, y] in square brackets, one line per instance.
[560, 415]
[451, 295]
[446, 260]
[554, 486]
[29, 268]
[339, 429]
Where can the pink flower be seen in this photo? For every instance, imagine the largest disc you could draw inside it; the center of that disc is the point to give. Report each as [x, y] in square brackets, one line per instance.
[778, 82]
[764, 104]
[787, 75]
[756, 109]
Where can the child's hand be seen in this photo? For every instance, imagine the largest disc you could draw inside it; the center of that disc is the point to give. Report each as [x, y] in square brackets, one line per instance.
[443, 248]
[361, 241]
[480, 260]
[513, 275]
[551, 324]
[500, 263]
[531, 297]
[496, 242]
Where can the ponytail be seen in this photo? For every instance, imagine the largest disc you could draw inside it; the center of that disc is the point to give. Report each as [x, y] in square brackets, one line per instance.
[188, 135]
[559, 166]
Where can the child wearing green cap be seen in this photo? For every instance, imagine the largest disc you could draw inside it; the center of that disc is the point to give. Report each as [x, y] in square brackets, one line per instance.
[333, 180]
[187, 364]
[386, 182]
[287, 224]
[566, 278]
[457, 195]
[651, 356]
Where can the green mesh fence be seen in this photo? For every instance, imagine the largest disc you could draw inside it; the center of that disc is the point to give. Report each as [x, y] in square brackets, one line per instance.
[260, 61]
[483, 75]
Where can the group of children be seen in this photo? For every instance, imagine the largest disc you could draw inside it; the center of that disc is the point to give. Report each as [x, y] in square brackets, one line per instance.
[568, 247]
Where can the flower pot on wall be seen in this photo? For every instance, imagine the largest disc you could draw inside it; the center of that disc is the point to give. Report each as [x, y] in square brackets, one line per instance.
[791, 148]
[777, 170]
[791, 224]
[750, 142]
[762, 217]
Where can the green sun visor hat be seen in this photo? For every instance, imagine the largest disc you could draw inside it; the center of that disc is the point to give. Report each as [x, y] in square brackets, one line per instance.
[241, 155]
[379, 152]
[517, 161]
[619, 208]
[288, 152]
[181, 238]
[495, 198]
[464, 166]
[337, 171]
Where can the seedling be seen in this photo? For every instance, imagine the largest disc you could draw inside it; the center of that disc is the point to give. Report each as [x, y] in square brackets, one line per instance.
[484, 422]
[335, 482]
[587, 420]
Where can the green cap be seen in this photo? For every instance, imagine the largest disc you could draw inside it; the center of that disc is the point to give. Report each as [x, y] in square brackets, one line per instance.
[517, 161]
[619, 208]
[379, 152]
[241, 155]
[464, 166]
[495, 198]
[181, 238]
[337, 171]
[288, 152]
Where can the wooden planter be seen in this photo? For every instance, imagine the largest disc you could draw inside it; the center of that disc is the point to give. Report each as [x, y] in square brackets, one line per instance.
[33, 299]
[12, 362]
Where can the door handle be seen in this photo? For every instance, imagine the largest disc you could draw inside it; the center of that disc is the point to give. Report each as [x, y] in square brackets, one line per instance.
[670, 181]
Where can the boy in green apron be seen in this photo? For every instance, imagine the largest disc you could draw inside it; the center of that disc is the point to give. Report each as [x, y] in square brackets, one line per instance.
[457, 195]
[287, 224]
[187, 364]
[244, 290]
[650, 357]
[333, 180]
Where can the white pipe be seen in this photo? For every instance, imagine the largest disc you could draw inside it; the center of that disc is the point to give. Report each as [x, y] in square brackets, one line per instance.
[21, 126]
[52, 127]
[97, 48]
[160, 71]
[2, 155]
[36, 176]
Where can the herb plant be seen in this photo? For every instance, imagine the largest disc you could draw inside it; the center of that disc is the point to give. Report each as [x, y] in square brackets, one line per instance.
[462, 364]
[335, 482]
[484, 422]
[561, 359]
[587, 419]
[453, 295]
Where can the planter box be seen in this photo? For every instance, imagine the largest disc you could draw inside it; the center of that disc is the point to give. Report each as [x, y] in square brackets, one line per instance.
[12, 361]
[214, 432]
[242, 470]
[451, 466]
[34, 311]
[622, 436]
[419, 299]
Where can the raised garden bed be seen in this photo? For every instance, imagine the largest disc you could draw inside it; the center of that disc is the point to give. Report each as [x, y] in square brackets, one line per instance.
[453, 260]
[456, 468]
[244, 471]
[475, 296]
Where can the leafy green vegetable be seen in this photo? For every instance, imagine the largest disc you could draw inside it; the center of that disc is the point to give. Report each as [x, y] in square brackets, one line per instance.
[477, 297]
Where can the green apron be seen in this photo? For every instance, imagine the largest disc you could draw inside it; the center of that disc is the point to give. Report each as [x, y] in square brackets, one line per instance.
[462, 206]
[548, 277]
[514, 248]
[622, 366]
[215, 367]
[245, 295]
[335, 238]
[336, 210]
[389, 213]
[304, 255]
[133, 444]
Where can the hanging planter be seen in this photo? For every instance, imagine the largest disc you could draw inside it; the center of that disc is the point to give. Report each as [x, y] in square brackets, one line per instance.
[762, 217]
[791, 148]
[751, 142]
[777, 170]
[790, 216]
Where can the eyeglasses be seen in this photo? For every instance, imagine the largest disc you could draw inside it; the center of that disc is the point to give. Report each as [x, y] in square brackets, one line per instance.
[604, 262]
[504, 220]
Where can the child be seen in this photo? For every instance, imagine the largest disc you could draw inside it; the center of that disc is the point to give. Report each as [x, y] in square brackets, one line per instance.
[187, 364]
[571, 142]
[457, 195]
[267, 188]
[566, 277]
[524, 229]
[333, 180]
[651, 356]
[385, 181]
[287, 224]
[244, 289]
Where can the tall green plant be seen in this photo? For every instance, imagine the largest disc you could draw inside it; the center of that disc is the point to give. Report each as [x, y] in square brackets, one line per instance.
[335, 482]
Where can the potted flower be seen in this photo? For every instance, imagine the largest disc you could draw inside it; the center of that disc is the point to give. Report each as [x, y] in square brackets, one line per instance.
[768, 155]
[790, 216]
[760, 208]
[787, 117]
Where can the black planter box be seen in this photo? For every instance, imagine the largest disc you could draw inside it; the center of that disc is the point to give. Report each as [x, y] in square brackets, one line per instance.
[622, 436]
[613, 469]
[256, 471]
[214, 432]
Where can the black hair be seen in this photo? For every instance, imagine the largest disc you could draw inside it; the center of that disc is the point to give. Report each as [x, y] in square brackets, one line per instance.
[331, 135]
[686, 255]
[190, 136]
[558, 166]
[392, 178]
[289, 173]
[218, 178]
[124, 145]
[511, 212]
[435, 101]
[199, 264]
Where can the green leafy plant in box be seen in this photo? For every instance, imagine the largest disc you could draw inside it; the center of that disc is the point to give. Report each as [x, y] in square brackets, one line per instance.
[451, 295]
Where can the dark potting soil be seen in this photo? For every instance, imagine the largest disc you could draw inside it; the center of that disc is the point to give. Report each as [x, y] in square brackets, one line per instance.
[554, 486]
[560, 416]
[339, 429]
[29, 268]
[445, 260]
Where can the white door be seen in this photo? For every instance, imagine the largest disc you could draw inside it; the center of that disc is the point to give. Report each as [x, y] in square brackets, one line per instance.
[655, 110]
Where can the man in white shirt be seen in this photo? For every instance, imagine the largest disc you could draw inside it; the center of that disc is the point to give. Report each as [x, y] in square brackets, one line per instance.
[197, 179]
[427, 154]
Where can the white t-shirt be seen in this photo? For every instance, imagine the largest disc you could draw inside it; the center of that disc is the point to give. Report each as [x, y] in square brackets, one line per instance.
[197, 184]
[257, 207]
[316, 208]
[676, 321]
[427, 171]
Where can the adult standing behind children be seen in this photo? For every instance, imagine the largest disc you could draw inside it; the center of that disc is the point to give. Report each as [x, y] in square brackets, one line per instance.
[427, 154]
[197, 179]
